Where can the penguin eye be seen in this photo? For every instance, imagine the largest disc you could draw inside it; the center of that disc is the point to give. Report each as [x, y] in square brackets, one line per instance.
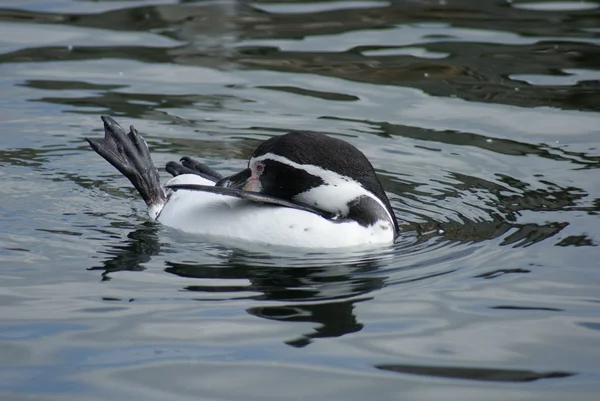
[259, 167]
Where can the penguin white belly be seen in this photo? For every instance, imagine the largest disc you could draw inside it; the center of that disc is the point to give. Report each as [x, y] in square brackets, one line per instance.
[215, 215]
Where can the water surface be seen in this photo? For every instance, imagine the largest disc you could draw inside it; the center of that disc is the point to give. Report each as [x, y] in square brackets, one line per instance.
[481, 118]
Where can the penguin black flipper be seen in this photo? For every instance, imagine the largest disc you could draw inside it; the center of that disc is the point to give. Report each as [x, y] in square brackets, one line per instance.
[253, 197]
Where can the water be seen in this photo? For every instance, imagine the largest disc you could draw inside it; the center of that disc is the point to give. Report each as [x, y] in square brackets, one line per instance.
[482, 119]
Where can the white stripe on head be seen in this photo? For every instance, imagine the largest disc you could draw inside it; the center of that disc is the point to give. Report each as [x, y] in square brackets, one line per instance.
[336, 192]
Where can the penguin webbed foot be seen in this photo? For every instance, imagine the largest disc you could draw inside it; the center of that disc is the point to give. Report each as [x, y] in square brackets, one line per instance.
[188, 165]
[129, 153]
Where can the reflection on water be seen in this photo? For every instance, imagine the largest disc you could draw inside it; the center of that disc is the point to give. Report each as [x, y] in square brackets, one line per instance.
[476, 374]
[480, 117]
[139, 248]
[323, 295]
[477, 63]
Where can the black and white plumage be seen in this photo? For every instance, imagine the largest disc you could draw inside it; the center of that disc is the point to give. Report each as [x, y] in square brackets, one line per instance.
[301, 189]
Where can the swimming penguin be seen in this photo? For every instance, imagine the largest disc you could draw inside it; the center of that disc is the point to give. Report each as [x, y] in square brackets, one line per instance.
[301, 189]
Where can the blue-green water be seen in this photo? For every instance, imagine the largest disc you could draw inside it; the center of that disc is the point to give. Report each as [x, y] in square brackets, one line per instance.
[482, 119]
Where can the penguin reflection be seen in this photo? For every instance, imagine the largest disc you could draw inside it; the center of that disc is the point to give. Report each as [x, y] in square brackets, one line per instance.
[324, 295]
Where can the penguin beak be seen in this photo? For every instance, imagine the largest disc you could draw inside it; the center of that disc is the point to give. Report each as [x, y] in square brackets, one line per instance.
[237, 181]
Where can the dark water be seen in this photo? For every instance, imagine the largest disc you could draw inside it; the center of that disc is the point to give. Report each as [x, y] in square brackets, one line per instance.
[482, 118]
